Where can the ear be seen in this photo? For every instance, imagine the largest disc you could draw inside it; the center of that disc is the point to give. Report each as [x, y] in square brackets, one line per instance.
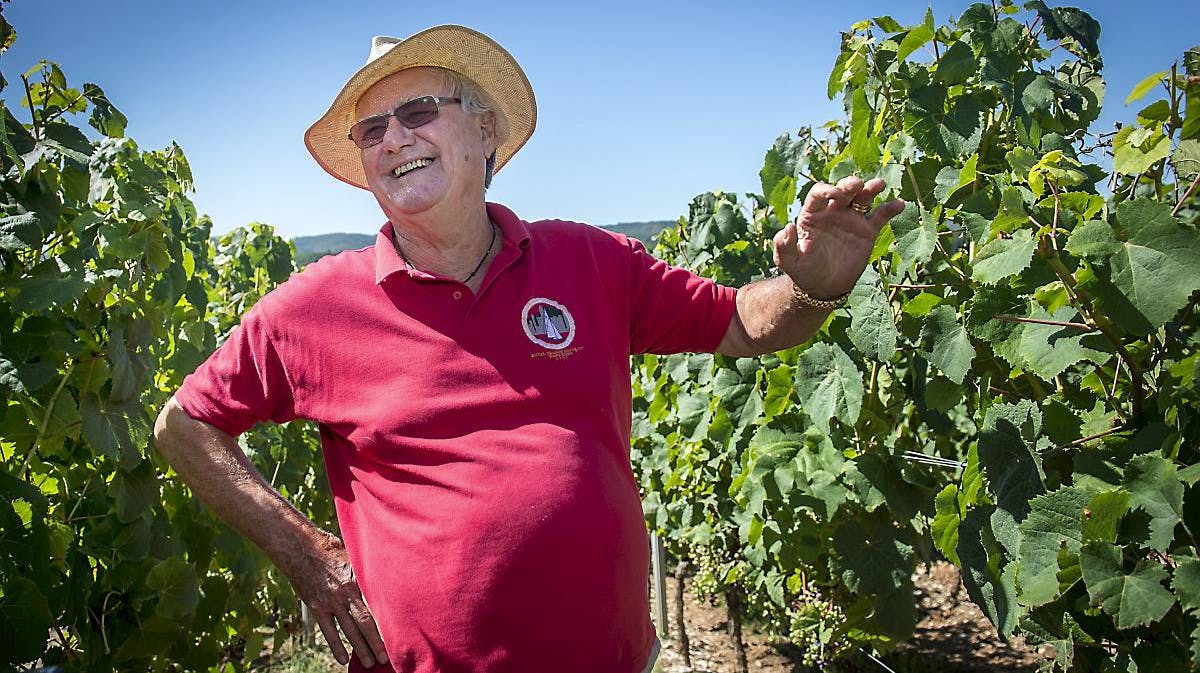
[487, 129]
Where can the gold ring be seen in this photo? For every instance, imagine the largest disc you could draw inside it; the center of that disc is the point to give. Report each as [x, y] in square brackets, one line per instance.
[860, 207]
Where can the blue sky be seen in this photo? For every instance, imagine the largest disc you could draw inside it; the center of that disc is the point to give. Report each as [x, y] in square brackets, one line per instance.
[641, 105]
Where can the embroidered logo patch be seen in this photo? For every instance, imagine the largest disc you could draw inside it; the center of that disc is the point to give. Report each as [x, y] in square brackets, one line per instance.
[548, 323]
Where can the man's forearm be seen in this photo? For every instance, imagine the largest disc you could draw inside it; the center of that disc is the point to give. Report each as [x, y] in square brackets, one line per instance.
[316, 562]
[220, 474]
[770, 317]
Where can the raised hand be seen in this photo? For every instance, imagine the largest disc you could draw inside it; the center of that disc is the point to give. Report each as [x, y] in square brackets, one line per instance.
[826, 248]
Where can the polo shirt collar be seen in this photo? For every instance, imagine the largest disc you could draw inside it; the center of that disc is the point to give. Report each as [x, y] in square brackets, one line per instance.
[514, 233]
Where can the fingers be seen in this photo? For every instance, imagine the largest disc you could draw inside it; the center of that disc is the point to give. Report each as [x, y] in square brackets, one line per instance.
[823, 195]
[369, 630]
[885, 212]
[850, 185]
[325, 621]
[359, 628]
[354, 635]
[869, 191]
[851, 190]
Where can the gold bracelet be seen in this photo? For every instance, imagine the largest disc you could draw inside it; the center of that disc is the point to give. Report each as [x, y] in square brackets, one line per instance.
[808, 300]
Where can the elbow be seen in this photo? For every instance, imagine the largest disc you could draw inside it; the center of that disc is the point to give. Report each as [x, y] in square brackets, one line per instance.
[738, 343]
[166, 425]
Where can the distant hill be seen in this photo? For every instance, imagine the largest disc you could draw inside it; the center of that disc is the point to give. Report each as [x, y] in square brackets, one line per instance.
[310, 248]
[642, 231]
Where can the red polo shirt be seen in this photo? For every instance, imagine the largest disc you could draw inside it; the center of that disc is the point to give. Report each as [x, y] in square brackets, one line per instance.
[477, 445]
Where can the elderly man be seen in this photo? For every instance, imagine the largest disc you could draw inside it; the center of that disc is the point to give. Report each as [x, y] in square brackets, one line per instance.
[470, 375]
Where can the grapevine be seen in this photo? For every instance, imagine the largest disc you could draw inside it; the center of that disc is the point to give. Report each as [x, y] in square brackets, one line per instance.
[113, 290]
[1012, 385]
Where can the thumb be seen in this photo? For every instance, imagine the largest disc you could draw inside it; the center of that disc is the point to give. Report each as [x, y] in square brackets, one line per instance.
[785, 245]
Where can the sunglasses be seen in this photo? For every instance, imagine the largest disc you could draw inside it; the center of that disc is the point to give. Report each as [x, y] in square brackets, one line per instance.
[414, 113]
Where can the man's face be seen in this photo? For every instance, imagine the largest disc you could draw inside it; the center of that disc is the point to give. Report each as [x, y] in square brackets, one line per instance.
[455, 147]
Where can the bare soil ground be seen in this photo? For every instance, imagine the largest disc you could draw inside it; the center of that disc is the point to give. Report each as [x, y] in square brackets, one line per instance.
[953, 636]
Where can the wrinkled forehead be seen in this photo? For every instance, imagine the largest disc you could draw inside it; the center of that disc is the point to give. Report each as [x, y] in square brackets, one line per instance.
[398, 87]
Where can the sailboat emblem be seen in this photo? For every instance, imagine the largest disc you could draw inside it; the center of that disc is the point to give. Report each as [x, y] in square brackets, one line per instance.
[548, 323]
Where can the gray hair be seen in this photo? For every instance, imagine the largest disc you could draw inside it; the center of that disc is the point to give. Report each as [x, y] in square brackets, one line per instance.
[475, 101]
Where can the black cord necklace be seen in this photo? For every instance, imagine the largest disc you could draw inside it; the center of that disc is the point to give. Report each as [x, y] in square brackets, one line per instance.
[396, 242]
[485, 253]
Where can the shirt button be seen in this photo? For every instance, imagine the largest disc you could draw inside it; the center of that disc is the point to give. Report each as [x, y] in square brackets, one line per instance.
[458, 294]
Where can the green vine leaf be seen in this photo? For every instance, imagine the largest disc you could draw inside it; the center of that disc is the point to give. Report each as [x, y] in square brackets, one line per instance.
[1103, 514]
[1061, 22]
[1135, 599]
[1047, 350]
[916, 233]
[872, 326]
[1154, 487]
[118, 432]
[1053, 524]
[949, 516]
[21, 231]
[950, 348]
[1093, 239]
[1158, 266]
[989, 582]
[873, 560]
[829, 385]
[1143, 87]
[1186, 584]
[916, 37]
[1132, 157]
[1008, 451]
[1004, 257]
[957, 65]
[25, 619]
[178, 591]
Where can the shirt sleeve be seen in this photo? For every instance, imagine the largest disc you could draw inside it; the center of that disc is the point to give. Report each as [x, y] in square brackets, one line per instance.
[672, 309]
[242, 383]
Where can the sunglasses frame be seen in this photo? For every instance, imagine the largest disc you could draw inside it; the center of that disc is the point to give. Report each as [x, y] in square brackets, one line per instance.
[438, 102]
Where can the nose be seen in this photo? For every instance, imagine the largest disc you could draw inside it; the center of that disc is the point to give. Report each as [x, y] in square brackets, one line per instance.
[396, 136]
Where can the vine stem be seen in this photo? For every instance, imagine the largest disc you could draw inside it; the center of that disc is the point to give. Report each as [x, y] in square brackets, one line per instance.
[1186, 195]
[1054, 222]
[1173, 119]
[1037, 321]
[916, 190]
[45, 424]
[937, 244]
[60, 113]
[1085, 306]
[37, 127]
[1083, 440]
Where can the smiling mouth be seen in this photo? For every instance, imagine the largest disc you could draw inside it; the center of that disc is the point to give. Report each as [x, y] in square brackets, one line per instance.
[415, 164]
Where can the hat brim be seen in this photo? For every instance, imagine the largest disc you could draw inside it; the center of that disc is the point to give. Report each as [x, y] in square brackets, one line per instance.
[458, 48]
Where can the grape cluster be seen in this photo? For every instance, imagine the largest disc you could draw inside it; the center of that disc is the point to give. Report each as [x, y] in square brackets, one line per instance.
[713, 567]
[817, 628]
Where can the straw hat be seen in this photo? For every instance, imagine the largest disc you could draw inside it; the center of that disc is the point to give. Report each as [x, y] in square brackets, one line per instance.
[456, 48]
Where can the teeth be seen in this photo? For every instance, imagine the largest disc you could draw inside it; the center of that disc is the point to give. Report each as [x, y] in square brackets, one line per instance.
[414, 164]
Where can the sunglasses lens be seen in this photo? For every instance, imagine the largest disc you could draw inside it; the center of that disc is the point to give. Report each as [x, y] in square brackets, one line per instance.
[369, 131]
[417, 112]
[414, 113]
